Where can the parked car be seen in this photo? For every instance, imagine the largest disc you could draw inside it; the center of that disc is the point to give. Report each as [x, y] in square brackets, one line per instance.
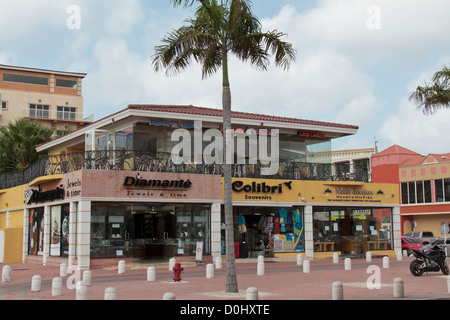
[425, 237]
[409, 243]
[440, 242]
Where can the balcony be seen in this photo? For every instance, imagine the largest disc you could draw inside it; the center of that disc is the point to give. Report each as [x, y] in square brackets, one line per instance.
[56, 115]
[141, 161]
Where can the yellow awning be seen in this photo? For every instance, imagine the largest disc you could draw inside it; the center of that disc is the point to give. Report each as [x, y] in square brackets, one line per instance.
[45, 179]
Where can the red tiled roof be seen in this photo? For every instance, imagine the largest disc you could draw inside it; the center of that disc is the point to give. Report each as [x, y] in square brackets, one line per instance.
[189, 109]
[396, 149]
[413, 161]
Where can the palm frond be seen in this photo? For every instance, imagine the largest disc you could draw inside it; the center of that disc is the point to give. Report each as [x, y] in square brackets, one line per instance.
[431, 97]
[443, 77]
[181, 46]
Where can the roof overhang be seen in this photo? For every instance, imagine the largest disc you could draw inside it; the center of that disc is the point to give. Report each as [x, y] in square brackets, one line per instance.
[137, 115]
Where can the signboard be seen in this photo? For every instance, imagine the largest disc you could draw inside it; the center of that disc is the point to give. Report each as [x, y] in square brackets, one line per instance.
[199, 251]
[301, 191]
[444, 228]
[36, 196]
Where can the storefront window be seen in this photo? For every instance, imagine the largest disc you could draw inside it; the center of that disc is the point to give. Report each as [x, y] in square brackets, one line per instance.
[124, 139]
[59, 239]
[36, 231]
[153, 139]
[266, 230]
[148, 231]
[352, 230]
[109, 235]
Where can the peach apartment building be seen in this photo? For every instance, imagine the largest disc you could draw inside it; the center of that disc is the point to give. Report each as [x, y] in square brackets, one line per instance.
[54, 98]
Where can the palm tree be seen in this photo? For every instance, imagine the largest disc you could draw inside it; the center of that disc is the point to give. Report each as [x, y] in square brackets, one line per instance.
[221, 28]
[17, 144]
[436, 95]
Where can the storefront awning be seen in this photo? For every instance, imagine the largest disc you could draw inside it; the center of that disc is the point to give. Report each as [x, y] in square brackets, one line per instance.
[45, 179]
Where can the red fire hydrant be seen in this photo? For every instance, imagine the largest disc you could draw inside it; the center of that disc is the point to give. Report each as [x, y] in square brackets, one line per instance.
[177, 269]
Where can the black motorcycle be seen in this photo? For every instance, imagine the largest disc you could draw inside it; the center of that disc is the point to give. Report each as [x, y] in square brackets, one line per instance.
[429, 258]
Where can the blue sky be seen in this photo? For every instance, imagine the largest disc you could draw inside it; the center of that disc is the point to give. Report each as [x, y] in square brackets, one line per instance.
[357, 61]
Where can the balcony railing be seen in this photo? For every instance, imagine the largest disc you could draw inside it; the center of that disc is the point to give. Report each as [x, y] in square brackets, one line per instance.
[50, 114]
[162, 162]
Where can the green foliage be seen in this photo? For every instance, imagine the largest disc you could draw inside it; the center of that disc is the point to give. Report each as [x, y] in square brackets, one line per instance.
[433, 96]
[220, 28]
[17, 144]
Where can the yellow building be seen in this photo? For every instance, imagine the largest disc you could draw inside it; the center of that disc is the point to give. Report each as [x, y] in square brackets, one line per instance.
[317, 217]
[11, 224]
[114, 190]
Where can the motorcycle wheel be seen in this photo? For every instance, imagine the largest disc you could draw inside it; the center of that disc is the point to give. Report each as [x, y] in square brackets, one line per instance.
[444, 268]
[415, 269]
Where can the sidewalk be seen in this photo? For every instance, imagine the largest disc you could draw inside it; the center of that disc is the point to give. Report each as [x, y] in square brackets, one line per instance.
[281, 281]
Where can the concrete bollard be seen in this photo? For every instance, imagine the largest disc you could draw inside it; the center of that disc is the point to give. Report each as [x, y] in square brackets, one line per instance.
[386, 262]
[110, 293]
[260, 259]
[36, 283]
[87, 277]
[121, 269]
[63, 270]
[337, 291]
[335, 257]
[6, 274]
[399, 291]
[251, 294]
[56, 287]
[347, 264]
[260, 269]
[172, 262]
[306, 266]
[151, 274]
[368, 256]
[81, 290]
[399, 255]
[209, 271]
[448, 284]
[219, 262]
[169, 296]
[299, 259]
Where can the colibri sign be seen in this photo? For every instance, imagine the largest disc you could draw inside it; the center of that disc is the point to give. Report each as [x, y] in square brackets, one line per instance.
[263, 189]
[36, 196]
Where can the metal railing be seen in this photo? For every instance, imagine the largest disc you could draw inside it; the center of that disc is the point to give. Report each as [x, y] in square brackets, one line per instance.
[51, 114]
[162, 162]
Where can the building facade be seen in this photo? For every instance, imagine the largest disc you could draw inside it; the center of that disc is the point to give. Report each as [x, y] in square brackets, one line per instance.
[424, 185]
[54, 98]
[115, 190]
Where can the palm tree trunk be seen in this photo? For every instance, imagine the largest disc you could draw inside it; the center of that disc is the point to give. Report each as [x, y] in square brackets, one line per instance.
[231, 280]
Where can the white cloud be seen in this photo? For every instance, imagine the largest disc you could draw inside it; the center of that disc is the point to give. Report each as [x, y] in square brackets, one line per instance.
[123, 17]
[5, 57]
[340, 62]
[411, 129]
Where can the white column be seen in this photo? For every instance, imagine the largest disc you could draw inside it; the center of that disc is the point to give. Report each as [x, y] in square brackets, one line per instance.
[47, 231]
[309, 231]
[7, 219]
[72, 232]
[215, 231]
[396, 225]
[26, 228]
[83, 234]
